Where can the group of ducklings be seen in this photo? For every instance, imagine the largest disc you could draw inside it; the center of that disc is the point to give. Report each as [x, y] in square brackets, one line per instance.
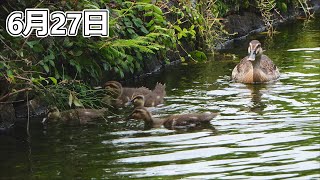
[140, 98]
[122, 95]
[254, 68]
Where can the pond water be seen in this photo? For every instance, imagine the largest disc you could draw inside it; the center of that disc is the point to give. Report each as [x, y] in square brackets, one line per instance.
[263, 131]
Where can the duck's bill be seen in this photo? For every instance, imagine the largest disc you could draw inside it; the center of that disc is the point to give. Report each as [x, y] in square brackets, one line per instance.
[129, 103]
[252, 56]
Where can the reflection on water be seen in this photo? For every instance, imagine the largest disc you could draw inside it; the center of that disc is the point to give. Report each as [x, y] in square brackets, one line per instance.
[268, 131]
[305, 49]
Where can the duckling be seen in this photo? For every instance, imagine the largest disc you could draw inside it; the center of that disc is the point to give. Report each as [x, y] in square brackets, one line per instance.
[113, 98]
[152, 99]
[156, 96]
[256, 67]
[114, 88]
[173, 121]
[74, 116]
[123, 94]
[137, 101]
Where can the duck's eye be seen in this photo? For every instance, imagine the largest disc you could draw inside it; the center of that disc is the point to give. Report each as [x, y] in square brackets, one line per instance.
[258, 47]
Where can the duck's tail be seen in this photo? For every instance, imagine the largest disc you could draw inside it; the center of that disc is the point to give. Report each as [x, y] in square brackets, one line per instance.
[160, 89]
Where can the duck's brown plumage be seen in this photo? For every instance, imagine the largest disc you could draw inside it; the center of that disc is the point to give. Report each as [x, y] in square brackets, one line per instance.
[256, 67]
[75, 116]
[174, 121]
[156, 96]
[122, 95]
[152, 99]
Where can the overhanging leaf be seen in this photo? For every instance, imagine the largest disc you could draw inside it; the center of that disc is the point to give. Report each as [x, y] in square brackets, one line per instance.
[32, 43]
[70, 99]
[77, 102]
[54, 80]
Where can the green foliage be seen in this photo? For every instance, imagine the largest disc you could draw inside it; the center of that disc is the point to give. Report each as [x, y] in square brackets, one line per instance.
[198, 55]
[185, 32]
[136, 30]
[89, 58]
[282, 6]
[69, 93]
[266, 8]
[269, 7]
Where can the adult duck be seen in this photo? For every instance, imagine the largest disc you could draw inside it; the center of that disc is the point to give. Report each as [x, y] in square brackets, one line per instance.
[256, 67]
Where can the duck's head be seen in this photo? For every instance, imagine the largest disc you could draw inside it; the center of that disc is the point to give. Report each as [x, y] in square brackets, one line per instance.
[53, 114]
[114, 88]
[254, 50]
[141, 113]
[138, 101]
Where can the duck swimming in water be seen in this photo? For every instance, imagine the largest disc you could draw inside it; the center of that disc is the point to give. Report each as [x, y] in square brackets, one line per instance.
[256, 67]
[74, 116]
[152, 99]
[173, 121]
[121, 95]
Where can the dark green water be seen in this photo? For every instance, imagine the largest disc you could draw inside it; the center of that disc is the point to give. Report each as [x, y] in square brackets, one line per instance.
[263, 132]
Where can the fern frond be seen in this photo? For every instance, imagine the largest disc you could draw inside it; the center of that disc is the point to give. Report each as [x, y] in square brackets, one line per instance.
[143, 43]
